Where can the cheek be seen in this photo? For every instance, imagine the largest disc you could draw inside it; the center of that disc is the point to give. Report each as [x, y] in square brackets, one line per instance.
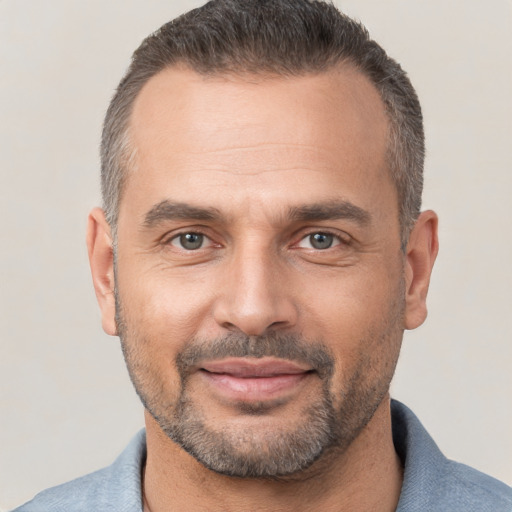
[164, 307]
[158, 324]
[346, 303]
[359, 316]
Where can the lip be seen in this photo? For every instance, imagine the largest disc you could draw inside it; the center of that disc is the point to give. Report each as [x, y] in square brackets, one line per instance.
[251, 379]
[251, 367]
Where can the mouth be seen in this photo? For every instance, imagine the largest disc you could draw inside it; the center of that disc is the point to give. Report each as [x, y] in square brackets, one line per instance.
[251, 379]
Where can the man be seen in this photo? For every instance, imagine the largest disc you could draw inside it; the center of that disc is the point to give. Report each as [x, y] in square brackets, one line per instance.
[260, 252]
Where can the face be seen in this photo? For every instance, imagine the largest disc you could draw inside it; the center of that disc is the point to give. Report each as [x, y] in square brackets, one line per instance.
[259, 276]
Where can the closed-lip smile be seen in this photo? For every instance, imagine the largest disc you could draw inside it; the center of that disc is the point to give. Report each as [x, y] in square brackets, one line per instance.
[254, 379]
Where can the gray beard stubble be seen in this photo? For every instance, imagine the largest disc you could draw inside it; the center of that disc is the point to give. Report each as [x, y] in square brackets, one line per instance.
[243, 453]
[240, 453]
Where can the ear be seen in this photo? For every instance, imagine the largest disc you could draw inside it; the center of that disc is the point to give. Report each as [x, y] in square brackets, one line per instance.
[101, 260]
[421, 254]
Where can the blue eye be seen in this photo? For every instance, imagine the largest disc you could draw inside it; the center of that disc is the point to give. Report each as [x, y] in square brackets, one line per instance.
[189, 241]
[319, 241]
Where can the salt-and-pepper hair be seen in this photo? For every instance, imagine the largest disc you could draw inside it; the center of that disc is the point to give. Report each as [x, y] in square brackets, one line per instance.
[277, 37]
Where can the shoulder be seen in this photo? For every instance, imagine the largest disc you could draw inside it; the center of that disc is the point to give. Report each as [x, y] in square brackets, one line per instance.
[462, 484]
[433, 482]
[78, 495]
[114, 488]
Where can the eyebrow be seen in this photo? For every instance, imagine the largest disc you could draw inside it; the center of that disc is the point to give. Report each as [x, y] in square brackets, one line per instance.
[167, 210]
[330, 211]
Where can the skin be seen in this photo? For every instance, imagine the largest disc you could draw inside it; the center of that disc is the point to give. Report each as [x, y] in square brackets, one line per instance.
[254, 148]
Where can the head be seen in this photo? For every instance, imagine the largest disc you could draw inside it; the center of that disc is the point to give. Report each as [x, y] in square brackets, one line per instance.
[262, 181]
[284, 38]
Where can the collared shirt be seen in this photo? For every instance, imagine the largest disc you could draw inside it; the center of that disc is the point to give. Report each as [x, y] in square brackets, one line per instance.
[432, 483]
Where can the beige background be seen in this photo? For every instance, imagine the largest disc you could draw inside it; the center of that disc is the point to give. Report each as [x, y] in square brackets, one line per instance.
[66, 404]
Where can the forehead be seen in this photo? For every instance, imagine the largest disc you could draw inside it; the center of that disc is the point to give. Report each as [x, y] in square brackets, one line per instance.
[183, 104]
[257, 134]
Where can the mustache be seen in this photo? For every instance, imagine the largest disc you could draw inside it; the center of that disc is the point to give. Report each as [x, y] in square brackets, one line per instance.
[283, 346]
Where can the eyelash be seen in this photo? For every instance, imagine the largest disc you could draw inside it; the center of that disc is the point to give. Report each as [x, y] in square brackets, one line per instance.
[345, 241]
[169, 239]
[342, 240]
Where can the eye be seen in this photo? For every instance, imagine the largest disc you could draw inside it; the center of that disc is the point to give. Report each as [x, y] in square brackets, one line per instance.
[189, 241]
[319, 241]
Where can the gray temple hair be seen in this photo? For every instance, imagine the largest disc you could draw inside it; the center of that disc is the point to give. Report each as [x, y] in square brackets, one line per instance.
[277, 37]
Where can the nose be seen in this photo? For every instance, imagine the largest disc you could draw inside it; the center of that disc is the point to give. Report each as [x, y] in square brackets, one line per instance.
[255, 297]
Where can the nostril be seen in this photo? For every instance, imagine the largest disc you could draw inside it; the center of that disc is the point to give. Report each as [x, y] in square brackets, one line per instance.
[254, 315]
[278, 325]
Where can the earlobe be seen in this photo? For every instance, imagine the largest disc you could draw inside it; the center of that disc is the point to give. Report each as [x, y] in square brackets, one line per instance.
[421, 254]
[101, 260]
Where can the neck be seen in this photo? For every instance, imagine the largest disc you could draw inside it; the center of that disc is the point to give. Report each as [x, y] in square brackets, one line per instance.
[367, 476]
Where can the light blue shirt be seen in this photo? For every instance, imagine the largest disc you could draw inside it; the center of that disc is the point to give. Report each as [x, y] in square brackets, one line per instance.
[432, 483]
